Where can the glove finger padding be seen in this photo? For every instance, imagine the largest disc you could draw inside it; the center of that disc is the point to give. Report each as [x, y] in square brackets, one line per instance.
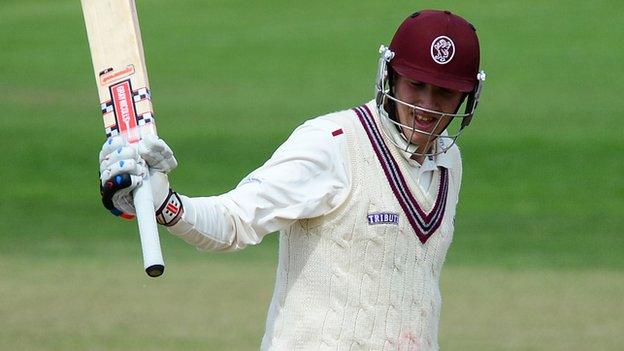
[128, 166]
[157, 154]
[120, 154]
[110, 145]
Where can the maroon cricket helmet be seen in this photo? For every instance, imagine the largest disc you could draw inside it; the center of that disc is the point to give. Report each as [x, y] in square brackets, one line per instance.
[439, 48]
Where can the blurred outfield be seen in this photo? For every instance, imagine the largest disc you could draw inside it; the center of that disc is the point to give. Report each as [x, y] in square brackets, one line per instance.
[538, 257]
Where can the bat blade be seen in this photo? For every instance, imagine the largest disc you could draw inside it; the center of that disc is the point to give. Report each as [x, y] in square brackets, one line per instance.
[125, 99]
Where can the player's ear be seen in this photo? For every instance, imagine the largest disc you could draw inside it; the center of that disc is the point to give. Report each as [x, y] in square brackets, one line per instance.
[461, 101]
[392, 78]
[389, 104]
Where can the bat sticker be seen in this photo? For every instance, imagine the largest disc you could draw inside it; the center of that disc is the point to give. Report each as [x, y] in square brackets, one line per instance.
[125, 110]
[110, 75]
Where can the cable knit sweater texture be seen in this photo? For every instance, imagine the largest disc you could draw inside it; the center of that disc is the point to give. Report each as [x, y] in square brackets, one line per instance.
[346, 284]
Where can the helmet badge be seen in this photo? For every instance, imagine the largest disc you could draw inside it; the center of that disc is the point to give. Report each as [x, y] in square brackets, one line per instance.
[442, 50]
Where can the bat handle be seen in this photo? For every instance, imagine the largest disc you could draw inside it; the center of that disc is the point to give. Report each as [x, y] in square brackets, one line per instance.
[148, 230]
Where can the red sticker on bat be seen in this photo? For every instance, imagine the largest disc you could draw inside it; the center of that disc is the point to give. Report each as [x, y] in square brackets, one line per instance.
[108, 75]
[125, 113]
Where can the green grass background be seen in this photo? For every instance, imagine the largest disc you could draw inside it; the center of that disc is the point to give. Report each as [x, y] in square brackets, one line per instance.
[538, 256]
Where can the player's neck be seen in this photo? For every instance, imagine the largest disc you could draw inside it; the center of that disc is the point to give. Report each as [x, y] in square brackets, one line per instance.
[419, 156]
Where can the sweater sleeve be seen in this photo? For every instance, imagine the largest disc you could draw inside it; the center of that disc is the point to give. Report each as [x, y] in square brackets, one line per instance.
[306, 177]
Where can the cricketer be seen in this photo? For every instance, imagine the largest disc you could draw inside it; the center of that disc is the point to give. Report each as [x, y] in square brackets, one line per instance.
[364, 199]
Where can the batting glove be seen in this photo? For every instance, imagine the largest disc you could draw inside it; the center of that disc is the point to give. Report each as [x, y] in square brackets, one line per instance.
[122, 168]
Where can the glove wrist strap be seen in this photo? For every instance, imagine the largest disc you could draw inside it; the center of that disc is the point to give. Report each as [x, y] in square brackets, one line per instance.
[171, 210]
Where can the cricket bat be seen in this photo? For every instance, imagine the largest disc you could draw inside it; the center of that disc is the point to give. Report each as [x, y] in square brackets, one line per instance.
[123, 88]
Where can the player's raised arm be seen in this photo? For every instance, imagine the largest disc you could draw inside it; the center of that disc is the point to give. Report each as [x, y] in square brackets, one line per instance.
[306, 177]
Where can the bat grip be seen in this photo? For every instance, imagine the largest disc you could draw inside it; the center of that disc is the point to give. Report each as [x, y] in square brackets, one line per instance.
[148, 230]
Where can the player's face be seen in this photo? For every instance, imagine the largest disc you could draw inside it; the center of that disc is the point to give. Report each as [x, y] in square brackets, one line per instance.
[427, 96]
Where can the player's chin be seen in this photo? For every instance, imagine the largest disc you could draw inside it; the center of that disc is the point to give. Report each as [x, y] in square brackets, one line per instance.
[423, 142]
[415, 137]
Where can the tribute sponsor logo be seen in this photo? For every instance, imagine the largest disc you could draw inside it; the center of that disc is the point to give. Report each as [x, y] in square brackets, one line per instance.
[383, 218]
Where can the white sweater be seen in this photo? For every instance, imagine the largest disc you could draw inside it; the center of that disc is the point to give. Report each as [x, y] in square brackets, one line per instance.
[359, 278]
